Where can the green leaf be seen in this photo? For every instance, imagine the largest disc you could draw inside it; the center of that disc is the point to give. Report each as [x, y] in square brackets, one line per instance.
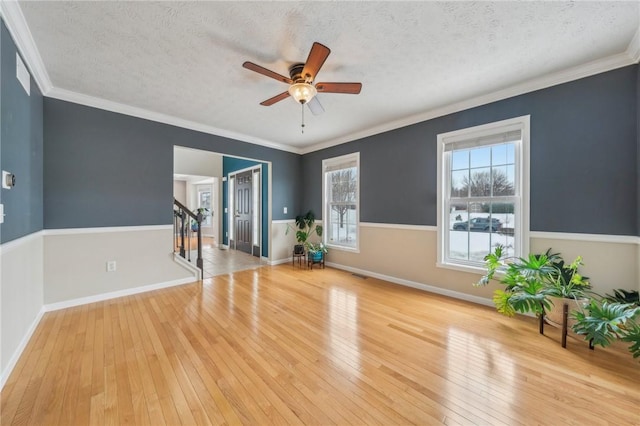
[605, 322]
[633, 336]
[502, 302]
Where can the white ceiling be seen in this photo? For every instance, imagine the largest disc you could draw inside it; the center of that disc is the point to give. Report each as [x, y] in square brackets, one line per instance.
[181, 62]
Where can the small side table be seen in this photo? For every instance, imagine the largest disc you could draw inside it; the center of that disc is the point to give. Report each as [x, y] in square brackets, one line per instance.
[299, 253]
[311, 261]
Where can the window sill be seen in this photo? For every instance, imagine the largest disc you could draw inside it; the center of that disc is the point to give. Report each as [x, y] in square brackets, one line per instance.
[462, 268]
[343, 248]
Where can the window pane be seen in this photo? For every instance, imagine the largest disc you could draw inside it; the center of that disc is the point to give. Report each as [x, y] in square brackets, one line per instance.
[504, 214]
[460, 160]
[499, 155]
[503, 180]
[460, 183]
[480, 185]
[476, 228]
[481, 157]
[343, 185]
[204, 201]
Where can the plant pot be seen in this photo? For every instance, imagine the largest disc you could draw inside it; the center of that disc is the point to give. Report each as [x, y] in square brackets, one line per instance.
[315, 256]
[554, 315]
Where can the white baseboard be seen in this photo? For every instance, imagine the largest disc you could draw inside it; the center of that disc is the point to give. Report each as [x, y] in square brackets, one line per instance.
[280, 261]
[114, 294]
[417, 285]
[18, 352]
[197, 273]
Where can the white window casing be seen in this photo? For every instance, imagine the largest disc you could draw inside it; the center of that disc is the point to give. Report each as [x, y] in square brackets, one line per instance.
[454, 236]
[341, 211]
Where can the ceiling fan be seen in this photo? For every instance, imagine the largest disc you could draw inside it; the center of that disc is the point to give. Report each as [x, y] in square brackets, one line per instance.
[301, 79]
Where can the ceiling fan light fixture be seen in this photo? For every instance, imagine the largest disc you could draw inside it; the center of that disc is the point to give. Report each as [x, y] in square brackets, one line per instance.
[302, 92]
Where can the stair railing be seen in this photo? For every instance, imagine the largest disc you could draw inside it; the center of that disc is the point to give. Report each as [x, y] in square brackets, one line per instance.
[182, 219]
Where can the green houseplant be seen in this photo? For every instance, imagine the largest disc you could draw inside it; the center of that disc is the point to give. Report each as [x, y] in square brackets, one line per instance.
[531, 283]
[536, 283]
[605, 320]
[306, 229]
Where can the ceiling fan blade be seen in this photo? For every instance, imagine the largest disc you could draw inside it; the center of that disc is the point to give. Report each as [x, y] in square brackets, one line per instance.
[352, 88]
[315, 106]
[317, 56]
[275, 99]
[262, 70]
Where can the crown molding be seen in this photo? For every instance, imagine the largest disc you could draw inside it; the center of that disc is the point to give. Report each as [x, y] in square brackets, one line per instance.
[633, 50]
[592, 68]
[79, 98]
[17, 25]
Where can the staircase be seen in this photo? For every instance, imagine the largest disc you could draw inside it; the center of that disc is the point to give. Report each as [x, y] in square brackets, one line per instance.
[183, 219]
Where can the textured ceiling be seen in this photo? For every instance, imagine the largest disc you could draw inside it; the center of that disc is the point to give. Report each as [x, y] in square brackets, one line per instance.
[184, 59]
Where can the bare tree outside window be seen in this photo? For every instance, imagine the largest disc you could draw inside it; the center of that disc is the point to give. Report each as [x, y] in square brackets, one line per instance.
[340, 190]
[481, 184]
[344, 188]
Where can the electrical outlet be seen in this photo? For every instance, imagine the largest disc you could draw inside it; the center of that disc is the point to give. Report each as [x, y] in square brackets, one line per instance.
[111, 266]
[285, 210]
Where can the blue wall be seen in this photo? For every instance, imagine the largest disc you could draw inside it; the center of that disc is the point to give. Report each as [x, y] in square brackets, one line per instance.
[584, 159]
[638, 148]
[108, 169]
[230, 165]
[21, 150]
[96, 168]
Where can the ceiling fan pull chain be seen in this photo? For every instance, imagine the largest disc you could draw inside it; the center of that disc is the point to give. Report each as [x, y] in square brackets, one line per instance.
[302, 105]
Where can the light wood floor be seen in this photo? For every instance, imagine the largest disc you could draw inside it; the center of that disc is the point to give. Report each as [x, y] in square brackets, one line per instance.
[216, 261]
[281, 345]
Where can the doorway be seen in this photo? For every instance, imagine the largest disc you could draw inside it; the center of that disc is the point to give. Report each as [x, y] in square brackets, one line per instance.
[246, 211]
[204, 179]
[243, 211]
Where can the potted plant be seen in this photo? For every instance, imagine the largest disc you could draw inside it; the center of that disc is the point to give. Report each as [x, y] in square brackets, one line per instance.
[305, 229]
[535, 284]
[605, 320]
[316, 251]
[624, 296]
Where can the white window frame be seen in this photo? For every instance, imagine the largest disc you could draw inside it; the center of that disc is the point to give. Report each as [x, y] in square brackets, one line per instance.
[328, 164]
[522, 156]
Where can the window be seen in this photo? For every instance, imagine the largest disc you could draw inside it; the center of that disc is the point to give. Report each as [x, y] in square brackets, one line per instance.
[341, 180]
[204, 201]
[483, 192]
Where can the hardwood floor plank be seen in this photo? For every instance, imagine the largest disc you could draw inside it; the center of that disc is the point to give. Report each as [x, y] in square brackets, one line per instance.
[279, 345]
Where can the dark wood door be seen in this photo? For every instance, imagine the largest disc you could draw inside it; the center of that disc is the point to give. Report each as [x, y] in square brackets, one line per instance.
[243, 211]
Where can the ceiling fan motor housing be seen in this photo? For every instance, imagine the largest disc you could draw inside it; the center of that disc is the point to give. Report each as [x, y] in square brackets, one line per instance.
[295, 71]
